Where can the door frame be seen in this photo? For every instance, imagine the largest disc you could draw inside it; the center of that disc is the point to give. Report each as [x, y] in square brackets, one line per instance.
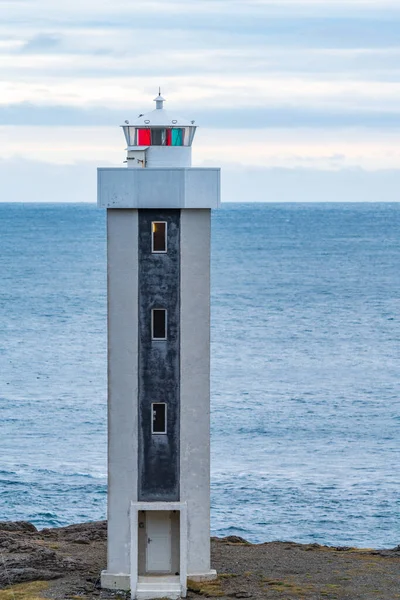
[180, 507]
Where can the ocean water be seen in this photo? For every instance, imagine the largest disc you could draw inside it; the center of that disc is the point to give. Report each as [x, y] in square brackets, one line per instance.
[305, 369]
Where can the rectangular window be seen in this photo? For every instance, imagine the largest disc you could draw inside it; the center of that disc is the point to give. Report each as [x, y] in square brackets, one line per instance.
[144, 138]
[177, 137]
[158, 137]
[159, 417]
[159, 324]
[159, 236]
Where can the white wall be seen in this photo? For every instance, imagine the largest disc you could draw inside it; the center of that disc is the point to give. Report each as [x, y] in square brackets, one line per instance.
[122, 242]
[195, 384]
[158, 188]
[169, 156]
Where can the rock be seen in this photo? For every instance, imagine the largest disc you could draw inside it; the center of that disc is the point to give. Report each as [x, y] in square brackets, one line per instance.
[311, 547]
[17, 526]
[21, 575]
[85, 531]
[235, 539]
[26, 560]
[243, 594]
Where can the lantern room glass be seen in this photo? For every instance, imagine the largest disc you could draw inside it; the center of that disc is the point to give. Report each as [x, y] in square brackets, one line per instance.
[159, 136]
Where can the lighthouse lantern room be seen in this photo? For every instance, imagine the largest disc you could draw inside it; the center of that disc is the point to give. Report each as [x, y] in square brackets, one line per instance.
[158, 265]
[159, 139]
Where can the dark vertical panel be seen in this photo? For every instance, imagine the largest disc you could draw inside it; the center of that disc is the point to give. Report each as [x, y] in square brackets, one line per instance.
[159, 287]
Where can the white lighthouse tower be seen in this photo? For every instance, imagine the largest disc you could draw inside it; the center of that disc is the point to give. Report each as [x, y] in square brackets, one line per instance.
[158, 246]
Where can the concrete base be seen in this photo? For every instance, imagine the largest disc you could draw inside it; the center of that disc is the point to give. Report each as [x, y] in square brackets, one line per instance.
[159, 586]
[209, 576]
[115, 581]
[121, 581]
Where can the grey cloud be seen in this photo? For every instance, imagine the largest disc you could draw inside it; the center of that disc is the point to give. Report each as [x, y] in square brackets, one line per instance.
[42, 43]
[254, 118]
[29, 114]
[65, 43]
[288, 32]
[270, 45]
[231, 118]
[229, 58]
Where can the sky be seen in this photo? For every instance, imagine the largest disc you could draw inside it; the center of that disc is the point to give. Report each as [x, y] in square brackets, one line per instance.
[296, 100]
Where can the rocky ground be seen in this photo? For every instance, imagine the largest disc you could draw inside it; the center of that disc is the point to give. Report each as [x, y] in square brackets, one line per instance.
[66, 562]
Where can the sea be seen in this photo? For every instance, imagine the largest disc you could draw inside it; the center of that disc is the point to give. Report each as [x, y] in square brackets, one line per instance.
[305, 386]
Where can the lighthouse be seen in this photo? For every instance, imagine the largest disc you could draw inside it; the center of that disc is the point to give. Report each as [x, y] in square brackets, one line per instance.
[158, 280]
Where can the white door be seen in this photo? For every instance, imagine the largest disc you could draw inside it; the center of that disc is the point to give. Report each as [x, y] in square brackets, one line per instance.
[158, 529]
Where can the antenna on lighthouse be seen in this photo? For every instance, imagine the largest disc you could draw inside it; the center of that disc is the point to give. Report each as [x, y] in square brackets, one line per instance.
[159, 100]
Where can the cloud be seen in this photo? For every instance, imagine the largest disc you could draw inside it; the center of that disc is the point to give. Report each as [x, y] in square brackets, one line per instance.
[58, 56]
[219, 118]
[195, 8]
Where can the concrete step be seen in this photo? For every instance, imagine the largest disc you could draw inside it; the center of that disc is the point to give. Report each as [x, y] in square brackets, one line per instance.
[158, 587]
